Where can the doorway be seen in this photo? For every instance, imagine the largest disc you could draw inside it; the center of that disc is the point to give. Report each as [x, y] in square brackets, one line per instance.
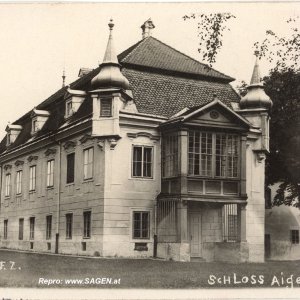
[195, 234]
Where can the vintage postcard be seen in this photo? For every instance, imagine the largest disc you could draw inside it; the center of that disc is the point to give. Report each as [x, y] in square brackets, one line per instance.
[149, 150]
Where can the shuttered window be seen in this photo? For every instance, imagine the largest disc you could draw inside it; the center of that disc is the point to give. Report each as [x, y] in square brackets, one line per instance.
[106, 108]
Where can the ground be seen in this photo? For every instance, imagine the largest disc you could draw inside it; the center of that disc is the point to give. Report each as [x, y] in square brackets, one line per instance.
[21, 269]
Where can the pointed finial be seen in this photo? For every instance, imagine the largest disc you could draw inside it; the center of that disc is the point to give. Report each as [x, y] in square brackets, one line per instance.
[256, 96]
[63, 78]
[111, 24]
[255, 79]
[110, 74]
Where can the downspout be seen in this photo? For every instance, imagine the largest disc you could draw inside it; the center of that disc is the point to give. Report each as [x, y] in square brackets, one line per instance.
[58, 199]
[155, 231]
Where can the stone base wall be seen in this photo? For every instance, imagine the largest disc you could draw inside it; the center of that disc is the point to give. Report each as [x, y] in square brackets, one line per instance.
[284, 250]
[219, 251]
[174, 251]
[231, 252]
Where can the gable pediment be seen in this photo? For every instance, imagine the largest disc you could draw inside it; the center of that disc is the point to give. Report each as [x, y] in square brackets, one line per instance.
[215, 114]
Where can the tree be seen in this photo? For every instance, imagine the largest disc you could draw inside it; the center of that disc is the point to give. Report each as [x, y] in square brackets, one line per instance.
[210, 32]
[283, 50]
[283, 164]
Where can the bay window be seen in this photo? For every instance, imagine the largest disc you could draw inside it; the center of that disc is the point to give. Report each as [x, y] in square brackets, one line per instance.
[170, 155]
[214, 155]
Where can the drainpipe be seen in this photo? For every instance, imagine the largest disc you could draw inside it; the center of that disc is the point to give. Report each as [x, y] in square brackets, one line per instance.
[155, 231]
[58, 199]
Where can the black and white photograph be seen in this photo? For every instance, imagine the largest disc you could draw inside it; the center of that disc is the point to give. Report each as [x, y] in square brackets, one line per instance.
[150, 150]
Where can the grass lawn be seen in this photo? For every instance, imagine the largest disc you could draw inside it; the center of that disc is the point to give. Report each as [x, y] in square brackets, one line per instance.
[139, 273]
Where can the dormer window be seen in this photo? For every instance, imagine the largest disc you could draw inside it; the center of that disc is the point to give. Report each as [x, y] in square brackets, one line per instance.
[106, 107]
[39, 118]
[74, 99]
[69, 110]
[12, 133]
[35, 125]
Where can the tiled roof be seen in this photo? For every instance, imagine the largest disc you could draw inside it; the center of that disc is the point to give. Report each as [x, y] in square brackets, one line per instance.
[154, 54]
[155, 92]
[165, 95]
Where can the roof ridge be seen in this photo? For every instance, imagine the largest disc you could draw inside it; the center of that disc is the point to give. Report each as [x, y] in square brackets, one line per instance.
[195, 60]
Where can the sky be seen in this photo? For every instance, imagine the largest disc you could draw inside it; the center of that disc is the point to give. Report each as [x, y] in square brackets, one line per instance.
[38, 41]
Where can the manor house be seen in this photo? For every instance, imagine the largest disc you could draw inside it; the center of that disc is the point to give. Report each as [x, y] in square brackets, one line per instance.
[150, 154]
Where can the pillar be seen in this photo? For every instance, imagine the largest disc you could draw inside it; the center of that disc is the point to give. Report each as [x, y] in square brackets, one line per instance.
[184, 246]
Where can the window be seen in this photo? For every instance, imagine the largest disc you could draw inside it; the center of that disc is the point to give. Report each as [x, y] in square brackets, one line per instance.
[170, 156]
[69, 109]
[213, 154]
[5, 229]
[35, 127]
[142, 162]
[69, 224]
[88, 158]
[8, 138]
[50, 173]
[295, 236]
[21, 229]
[87, 224]
[48, 227]
[106, 108]
[141, 225]
[230, 223]
[32, 178]
[19, 182]
[70, 167]
[7, 184]
[31, 227]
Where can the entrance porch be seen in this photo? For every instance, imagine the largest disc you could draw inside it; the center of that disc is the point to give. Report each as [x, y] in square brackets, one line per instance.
[194, 230]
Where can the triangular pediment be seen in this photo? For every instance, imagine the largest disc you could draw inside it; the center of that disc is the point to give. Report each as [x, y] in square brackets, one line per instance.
[214, 114]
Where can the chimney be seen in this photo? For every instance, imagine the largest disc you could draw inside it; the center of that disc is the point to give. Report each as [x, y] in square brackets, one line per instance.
[147, 28]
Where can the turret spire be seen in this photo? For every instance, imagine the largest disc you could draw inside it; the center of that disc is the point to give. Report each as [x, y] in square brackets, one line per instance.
[110, 75]
[255, 79]
[110, 55]
[256, 96]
